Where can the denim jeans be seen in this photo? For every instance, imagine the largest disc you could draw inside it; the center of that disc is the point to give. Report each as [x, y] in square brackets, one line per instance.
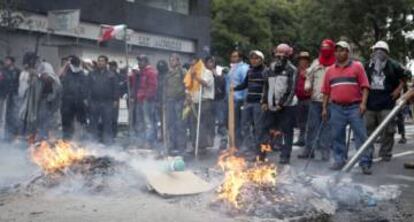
[148, 109]
[340, 116]
[175, 125]
[313, 125]
[252, 120]
[220, 107]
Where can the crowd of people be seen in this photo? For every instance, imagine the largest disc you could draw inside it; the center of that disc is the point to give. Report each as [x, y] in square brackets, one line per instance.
[188, 104]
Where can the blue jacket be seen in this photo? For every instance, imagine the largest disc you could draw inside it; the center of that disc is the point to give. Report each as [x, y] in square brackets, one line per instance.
[237, 76]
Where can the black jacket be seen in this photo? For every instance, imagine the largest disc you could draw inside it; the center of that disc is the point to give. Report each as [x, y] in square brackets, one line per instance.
[254, 82]
[9, 81]
[103, 86]
[75, 86]
[380, 99]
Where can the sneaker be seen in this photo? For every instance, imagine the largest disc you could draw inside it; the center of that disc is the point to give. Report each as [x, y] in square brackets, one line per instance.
[299, 143]
[336, 166]
[403, 140]
[409, 165]
[386, 158]
[366, 170]
[306, 155]
[325, 156]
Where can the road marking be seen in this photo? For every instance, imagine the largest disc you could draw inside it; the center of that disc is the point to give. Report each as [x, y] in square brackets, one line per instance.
[393, 157]
[397, 155]
[402, 177]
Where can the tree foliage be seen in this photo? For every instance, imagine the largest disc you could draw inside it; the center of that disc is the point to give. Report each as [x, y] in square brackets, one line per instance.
[260, 24]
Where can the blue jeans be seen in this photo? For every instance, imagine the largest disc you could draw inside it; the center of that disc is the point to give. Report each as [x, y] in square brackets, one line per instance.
[175, 125]
[313, 124]
[340, 116]
[148, 110]
[220, 107]
[252, 120]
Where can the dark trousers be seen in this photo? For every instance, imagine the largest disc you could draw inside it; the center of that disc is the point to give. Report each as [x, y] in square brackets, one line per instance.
[282, 121]
[70, 111]
[401, 124]
[372, 120]
[14, 125]
[115, 116]
[302, 110]
[101, 112]
[206, 135]
[314, 126]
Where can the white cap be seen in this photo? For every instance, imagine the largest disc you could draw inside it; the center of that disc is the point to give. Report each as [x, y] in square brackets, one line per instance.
[381, 45]
[258, 53]
[344, 45]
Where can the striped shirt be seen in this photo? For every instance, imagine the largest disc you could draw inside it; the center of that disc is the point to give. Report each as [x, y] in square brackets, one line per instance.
[344, 84]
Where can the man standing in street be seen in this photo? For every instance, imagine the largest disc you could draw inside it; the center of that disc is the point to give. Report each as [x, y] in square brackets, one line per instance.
[103, 97]
[279, 99]
[303, 97]
[74, 96]
[146, 94]
[173, 98]
[122, 90]
[387, 78]
[314, 81]
[236, 76]
[346, 86]
[252, 112]
[11, 77]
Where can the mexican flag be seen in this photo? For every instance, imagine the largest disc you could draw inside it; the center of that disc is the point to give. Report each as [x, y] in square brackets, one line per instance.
[112, 32]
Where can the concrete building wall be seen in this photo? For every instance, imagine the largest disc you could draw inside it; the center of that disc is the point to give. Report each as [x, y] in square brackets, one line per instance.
[193, 27]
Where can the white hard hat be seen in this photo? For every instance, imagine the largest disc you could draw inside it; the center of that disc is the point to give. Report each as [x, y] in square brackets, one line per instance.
[381, 45]
[258, 53]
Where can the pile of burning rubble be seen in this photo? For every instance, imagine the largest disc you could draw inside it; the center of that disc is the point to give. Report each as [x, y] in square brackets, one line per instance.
[261, 190]
[60, 160]
[256, 189]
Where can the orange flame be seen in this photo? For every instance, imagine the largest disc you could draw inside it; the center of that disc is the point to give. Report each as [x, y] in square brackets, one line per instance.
[57, 156]
[265, 148]
[238, 173]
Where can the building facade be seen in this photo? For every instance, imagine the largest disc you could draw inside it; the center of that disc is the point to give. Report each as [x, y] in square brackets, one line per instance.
[155, 27]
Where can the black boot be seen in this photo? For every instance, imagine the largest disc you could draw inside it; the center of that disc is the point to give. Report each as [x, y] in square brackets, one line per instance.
[306, 154]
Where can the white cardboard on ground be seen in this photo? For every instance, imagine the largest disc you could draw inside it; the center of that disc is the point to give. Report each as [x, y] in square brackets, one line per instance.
[176, 183]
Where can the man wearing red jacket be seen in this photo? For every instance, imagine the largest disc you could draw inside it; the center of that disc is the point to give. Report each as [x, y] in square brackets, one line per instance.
[145, 95]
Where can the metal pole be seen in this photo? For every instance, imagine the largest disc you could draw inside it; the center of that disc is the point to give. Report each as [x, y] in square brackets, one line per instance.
[130, 105]
[314, 144]
[198, 122]
[400, 104]
[348, 139]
